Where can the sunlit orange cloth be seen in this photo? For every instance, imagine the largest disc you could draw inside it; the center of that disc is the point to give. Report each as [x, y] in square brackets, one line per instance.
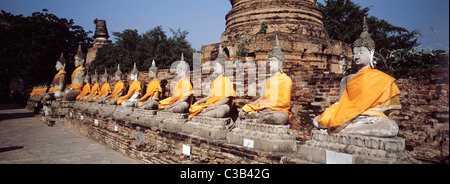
[86, 90]
[275, 98]
[152, 87]
[77, 87]
[119, 87]
[366, 93]
[59, 78]
[33, 92]
[94, 91]
[183, 88]
[221, 88]
[106, 89]
[135, 88]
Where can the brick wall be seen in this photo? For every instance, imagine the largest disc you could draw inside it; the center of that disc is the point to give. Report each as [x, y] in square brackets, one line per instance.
[423, 120]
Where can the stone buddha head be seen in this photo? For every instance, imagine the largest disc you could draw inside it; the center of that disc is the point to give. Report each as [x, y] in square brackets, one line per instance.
[105, 76]
[87, 79]
[276, 58]
[79, 57]
[60, 63]
[153, 71]
[134, 73]
[219, 63]
[364, 48]
[95, 77]
[118, 74]
[182, 67]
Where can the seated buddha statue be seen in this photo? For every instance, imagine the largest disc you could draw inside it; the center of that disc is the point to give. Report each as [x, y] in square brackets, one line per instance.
[364, 97]
[77, 77]
[119, 89]
[58, 82]
[134, 92]
[150, 100]
[95, 90]
[86, 88]
[105, 89]
[221, 96]
[273, 106]
[182, 91]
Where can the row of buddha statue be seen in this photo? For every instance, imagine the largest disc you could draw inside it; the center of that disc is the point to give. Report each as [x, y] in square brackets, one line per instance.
[364, 96]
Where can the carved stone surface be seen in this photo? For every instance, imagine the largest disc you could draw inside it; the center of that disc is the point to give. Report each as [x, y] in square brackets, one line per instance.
[206, 127]
[106, 110]
[123, 113]
[145, 117]
[172, 121]
[363, 149]
[274, 138]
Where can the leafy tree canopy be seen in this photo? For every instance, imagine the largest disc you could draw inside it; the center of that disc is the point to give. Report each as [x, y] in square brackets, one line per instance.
[30, 46]
[132, 47]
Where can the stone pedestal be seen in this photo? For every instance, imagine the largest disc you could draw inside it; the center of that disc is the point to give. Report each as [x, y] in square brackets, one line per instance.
[206, 127]
[145, 117]
[327, 148]
[94, 108]
[106, 110]
[59, 109]
[172, 121]
[264, 137]
[123, 113]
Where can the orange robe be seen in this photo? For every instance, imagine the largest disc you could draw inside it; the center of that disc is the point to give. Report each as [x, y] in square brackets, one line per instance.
[77, 87]
[152, 87]
[183, 88]
[119, 87]
[221, 88]
[86, 90]
[367, 93]
[94, 91]
[135, 88]
[106, 89]
[277, 97]
[59, 78]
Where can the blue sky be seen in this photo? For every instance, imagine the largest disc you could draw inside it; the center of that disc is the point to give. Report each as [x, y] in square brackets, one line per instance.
[205, 19]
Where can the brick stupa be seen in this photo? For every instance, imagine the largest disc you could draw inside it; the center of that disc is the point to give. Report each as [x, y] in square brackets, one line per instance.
[298, 24]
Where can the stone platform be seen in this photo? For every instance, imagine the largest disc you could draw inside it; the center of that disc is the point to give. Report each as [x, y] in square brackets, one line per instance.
[273, 138]
[145, 117]
[325, 148]
[172, 121]
[206, 127]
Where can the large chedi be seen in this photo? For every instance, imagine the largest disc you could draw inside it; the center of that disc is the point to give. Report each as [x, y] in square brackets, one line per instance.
[252, 25]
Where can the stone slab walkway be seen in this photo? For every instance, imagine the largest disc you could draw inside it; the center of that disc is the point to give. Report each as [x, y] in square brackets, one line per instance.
[26, 140]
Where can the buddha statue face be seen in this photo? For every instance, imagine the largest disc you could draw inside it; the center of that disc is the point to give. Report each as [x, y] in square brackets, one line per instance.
[182, 69]
[118, 77]
[151, 74]
[59, 66]
[275, 65]
[218, 68]
[133, 77]
[78, 62]
[362, 56]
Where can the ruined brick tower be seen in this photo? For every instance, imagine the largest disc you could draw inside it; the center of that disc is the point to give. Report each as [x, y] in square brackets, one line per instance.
[251, 26]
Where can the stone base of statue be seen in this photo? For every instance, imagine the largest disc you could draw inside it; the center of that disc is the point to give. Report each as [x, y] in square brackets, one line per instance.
[145, 117]
[94, 108]
[325, 148]
[172, 121]
[106, 110]
[34, 104]
[264, 137]
[206, 127]
[82, 105]
[59, 109]
[123, 113]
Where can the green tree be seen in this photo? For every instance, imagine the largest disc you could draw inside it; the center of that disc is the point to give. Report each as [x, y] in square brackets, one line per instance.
[30, 46]
[132, 47]
[343, 19]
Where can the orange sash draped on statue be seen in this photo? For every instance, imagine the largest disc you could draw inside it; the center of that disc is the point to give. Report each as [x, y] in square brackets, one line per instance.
[77, 87]
[277, 98]
[119, 87]
[221, 88]
[86, 90]
[59, 77]
[135, 88]
[106, 89]
[152, 87]
[94, 91]
[366, 93]
[183, 88]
